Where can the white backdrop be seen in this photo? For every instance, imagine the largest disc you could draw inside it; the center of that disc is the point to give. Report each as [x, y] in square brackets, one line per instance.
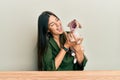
[18, 31]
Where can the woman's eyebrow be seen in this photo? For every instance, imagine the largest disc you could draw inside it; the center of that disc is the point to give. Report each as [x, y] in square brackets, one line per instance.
[53, 22]
[50, 23]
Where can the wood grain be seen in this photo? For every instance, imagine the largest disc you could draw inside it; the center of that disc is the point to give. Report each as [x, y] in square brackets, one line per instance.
[60, 75]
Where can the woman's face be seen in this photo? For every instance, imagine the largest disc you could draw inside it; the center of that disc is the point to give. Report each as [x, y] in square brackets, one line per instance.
[54, 25]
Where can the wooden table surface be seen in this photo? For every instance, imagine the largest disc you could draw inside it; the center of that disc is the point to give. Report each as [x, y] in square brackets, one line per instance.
[60, 75]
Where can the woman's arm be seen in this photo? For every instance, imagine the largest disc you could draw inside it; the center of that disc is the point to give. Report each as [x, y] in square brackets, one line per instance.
[60, 56]
[51, 62]
[79, 53]
[77, 48]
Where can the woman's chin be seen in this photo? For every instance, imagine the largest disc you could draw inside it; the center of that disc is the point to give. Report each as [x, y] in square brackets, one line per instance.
[60, 32]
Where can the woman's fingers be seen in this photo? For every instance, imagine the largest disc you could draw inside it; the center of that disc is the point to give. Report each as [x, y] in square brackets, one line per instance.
[82, 48]
[79, 41]
[69, 38]
[66, 35]
[72, 40]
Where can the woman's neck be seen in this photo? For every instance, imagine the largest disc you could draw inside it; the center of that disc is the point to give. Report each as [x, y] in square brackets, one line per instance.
[56, 38]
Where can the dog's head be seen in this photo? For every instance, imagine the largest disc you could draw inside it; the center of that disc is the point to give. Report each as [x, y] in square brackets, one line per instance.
[73, 25]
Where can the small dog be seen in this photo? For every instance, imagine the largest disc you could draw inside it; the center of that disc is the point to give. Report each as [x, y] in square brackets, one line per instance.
[74, 27]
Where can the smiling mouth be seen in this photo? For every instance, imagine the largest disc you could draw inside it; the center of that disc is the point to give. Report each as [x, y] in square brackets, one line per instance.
[59, 29]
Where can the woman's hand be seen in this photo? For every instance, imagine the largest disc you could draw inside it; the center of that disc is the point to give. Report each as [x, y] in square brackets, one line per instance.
[69, 43]
[79, 51]
[78, 47]
[75, 46]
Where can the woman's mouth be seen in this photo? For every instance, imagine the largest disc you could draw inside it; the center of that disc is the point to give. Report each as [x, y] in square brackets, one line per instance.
[59, 29]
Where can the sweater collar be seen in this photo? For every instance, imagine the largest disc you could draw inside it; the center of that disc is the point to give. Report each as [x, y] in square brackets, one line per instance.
[54, 44]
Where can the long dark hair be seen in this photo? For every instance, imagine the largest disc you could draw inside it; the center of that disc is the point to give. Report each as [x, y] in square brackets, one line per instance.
[43, 35]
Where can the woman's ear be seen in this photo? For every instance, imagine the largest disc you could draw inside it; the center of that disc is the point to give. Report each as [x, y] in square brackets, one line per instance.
[48, 31]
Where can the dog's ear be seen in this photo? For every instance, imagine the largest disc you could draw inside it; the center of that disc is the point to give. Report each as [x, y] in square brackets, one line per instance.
[80, 26]
[69, 24]
[77, 23]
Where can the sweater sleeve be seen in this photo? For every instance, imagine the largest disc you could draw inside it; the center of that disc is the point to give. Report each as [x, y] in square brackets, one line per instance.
[49, 60]
[81, 66]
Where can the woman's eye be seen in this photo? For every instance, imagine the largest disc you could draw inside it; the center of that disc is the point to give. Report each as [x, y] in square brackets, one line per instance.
[52, 24]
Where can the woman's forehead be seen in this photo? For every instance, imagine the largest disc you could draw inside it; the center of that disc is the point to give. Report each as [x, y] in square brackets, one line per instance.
[52, 19]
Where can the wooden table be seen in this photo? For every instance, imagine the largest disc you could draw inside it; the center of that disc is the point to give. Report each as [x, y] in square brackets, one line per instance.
[60, 75]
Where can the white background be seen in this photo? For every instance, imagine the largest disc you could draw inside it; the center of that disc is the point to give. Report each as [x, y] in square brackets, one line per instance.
[18, 31]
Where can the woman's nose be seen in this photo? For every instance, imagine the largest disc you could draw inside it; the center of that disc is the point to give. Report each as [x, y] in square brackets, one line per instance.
[57, 23]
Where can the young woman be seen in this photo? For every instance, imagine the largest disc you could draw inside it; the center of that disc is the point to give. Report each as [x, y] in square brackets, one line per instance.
[54, 45]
